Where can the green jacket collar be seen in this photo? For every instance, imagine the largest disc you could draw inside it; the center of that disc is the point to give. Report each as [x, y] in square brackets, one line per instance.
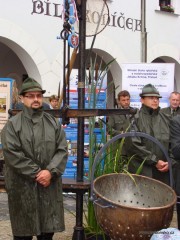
[34, 114]
[149, 110]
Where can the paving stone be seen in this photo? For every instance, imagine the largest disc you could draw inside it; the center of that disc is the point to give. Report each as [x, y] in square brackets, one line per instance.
[69, 205]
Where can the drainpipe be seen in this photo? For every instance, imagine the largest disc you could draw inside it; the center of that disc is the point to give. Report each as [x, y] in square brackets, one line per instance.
[143, 32]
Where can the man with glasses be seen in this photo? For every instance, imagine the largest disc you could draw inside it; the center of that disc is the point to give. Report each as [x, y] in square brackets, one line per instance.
[35, 154]
[150, 120]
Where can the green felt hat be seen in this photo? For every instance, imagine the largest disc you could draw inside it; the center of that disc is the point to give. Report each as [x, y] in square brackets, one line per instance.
[31, 85]
[150, 91]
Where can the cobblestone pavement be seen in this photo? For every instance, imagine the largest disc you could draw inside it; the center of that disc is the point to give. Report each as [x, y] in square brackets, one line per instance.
[69, 204]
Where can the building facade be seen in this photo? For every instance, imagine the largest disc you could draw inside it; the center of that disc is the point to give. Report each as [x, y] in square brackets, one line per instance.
[30, 41]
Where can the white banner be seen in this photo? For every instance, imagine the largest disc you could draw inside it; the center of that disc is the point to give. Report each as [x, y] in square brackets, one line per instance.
[136, 76]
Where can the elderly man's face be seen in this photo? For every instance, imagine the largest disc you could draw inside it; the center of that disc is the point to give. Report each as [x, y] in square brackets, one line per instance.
[174, 100]
[32, 99]
[152, 102]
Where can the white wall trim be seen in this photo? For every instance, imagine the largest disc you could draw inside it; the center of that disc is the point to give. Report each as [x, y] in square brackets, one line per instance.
[26, 48]
[163, 50]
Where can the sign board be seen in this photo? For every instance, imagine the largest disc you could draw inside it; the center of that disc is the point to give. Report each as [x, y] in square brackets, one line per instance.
[136, 76]
[6, 86]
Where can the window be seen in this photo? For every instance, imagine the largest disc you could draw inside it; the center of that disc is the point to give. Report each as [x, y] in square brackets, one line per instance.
[164, 2]
[165, 5]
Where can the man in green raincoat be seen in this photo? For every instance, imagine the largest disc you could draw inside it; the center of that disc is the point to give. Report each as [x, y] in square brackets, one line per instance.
[119, 123]
[144, 152]
[35, 154]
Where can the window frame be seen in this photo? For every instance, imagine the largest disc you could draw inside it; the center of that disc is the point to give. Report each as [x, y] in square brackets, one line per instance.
[164, 2]
[166, 5]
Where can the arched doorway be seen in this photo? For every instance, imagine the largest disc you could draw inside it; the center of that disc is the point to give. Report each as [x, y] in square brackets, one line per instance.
[11, 65]
[166, 59]
[114, 73]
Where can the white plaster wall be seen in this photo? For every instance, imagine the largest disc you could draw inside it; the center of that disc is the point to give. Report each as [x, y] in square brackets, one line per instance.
[32, 37]
[163, 50]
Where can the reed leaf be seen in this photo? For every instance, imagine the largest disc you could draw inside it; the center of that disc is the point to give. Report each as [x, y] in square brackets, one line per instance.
[139, 170]
[94, 82]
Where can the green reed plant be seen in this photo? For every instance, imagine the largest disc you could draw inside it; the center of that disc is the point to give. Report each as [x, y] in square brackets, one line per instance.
[94, 82]
[111, 160]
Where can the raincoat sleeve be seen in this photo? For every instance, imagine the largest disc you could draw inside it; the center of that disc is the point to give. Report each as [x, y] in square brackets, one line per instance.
[175, 137]
[111, 127]
[13, 154]
[137, 148]
[58, 162]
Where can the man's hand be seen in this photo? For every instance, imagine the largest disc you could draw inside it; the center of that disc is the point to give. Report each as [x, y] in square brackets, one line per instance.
[162, 166]
[44, 178]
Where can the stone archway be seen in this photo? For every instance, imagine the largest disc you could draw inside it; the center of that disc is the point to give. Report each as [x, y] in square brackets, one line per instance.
[11, 65]
[166, 59]
[24, 49]
[114, 73]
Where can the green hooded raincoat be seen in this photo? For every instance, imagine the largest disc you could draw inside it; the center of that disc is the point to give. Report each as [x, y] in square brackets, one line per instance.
[33, 140]
[156, 124]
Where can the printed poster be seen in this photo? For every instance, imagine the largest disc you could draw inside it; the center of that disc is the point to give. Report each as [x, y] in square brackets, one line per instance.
[135, 76]
[5, 100]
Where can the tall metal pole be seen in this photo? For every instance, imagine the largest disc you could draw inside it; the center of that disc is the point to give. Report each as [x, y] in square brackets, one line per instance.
[81, 90]
[79, 229]
[143, 32]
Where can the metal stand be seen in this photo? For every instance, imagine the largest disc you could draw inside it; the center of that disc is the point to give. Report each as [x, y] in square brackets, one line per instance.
[81, 6]
[79, 229]
[125, 135]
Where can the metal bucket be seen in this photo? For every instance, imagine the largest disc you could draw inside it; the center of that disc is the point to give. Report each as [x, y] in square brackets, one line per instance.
[132, 207]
